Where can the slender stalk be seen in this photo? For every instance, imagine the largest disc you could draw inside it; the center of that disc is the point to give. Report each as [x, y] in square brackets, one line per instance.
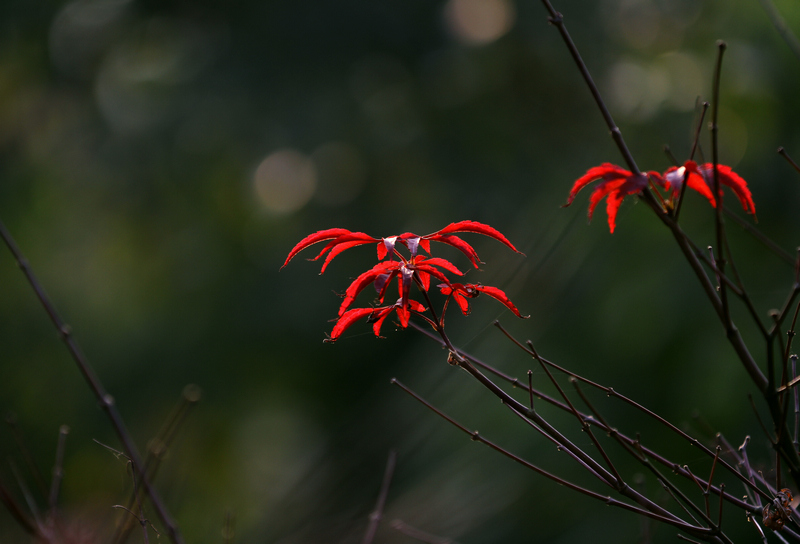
[11, 420]
[557, 20]
[760, 236]
[780, 25]
[695, 141]
[666, 517]
[58, 470]
[782, 152]
[105, 400]
[611, 392]
[156, 450]
[377, 514]
[720, 225]
[22, 518]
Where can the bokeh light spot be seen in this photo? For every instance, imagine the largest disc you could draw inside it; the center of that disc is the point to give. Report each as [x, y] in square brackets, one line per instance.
[478, 22]
[285, 181]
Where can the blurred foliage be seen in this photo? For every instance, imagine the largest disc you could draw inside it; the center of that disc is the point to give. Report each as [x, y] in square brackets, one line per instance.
[158, 159]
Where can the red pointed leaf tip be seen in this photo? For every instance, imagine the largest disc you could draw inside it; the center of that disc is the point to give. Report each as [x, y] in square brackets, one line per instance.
[500, 295]
[478, 228]
[733, 180]
[616, 183]
[700, 178]
[347, 319]
[340, 240]
[312, 239]
[462, 292]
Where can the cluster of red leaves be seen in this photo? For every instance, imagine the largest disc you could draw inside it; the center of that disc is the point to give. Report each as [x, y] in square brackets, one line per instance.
[617, 183]
[414, 269]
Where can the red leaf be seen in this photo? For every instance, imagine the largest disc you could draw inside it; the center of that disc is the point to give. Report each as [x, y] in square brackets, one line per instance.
[674, 178]
[347, 319]
[382, 284]
[425, 279]
[441, 263]
[379, 316]
[496, 293]
[435, 272]
[363, 280]
[479, 228]
[616, 184]
[458, 243]
[734, 181]
[338, 248]
[462, 301]
[312, 239]
[607, 171]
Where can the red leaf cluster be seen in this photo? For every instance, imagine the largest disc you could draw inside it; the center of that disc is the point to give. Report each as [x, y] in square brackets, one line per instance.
[616, 183]
[407, 270]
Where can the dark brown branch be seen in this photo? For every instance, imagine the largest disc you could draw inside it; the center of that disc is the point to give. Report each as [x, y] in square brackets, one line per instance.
[377, 514]
[667, 517]
[105, 400]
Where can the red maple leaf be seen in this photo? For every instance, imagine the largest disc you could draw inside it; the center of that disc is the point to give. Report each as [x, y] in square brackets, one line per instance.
[701, 179]
[461, 293]
[616, 184]
[408, 270]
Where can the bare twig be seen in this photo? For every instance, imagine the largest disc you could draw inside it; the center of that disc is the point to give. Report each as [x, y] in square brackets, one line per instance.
[780, 25]
[377, 514]
[58, 469]
[105, 400]
[786, 156]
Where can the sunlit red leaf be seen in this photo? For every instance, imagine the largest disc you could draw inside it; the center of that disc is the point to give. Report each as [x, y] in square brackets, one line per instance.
[340, 239]
[498, 294]
[458, 243]
[441, 263]
[478, 228]
[606, 171]
[347, 319]
[338, 248]
[616, 183]
[435, 272]
[363, 280]
[382, 283]
[674, 178]
[312, 239]
[734, 181]
[378, 317]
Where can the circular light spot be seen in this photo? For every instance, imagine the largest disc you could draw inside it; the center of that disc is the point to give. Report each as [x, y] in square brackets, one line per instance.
[478, 22]
[285, 181]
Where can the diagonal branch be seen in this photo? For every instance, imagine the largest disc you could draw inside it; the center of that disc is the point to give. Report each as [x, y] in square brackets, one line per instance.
[105, 400]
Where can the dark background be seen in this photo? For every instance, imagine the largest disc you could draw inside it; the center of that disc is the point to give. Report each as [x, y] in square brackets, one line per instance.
[158, 160]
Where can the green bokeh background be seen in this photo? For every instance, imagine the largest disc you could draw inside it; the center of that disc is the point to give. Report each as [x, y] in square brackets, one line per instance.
[131, 139]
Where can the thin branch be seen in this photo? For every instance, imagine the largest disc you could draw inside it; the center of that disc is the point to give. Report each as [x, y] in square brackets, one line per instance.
[667, 517]
[157, 448]
[377, 514]
[720, 226]
[557, 20]
[24, 521]
[611, 392]
[760, 236]
[105, 400]
[782, 152]
[780, 25]
[695, 141]
[58, 469]
[11, 420]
